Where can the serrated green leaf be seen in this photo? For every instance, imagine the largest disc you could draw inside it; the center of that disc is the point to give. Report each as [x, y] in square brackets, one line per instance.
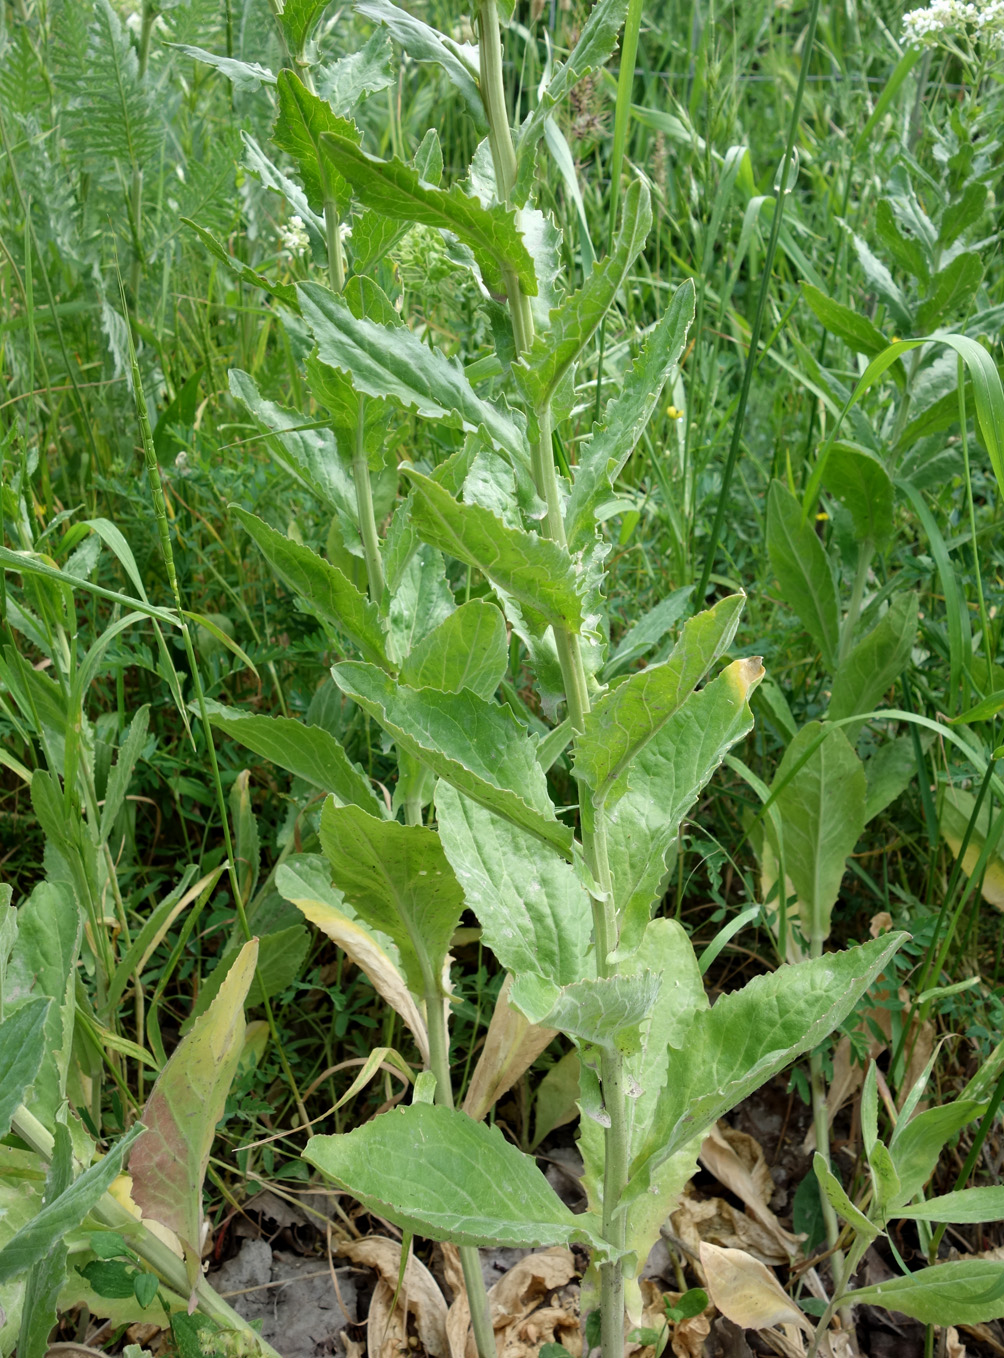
[875, 663]
[596, 43]
[822, 811]
[952, 290]
[302, 119]
[323, 587]
[309, 752]
[857, 331]
[440, 1174]
[573, 324]
[394, 189]
[22, 1046]
[966, 1292]
[426, 44]
[283, 291]
[860, 482]
[398, 880]
[803, 570]
[476, 746]
[309, 455]
[468, 649]
[65, 1213]
[534, 914]
[532, 569]
[346, 82]
[664, 781]
[963, 213]
[749, 1035]
[603, 456]
[395, 364]
[629, 715]
[421, 600]
[296, 19]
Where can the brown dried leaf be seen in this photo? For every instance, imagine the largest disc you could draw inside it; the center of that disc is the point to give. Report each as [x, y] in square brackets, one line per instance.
[737, 1161]
[521, 1323]
[716, 1221]
[512, 1045]
[387, 1326]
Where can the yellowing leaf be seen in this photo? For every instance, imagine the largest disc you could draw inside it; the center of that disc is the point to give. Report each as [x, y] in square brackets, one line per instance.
[746, 1291]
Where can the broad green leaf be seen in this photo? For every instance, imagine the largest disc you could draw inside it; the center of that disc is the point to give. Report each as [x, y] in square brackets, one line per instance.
[467, 650]
[295, 198]
[534, 914]
[630, 714]
[426, 44]
[821, 790]
[296, 19]
[573, 324]
[875, 663]
[283, 292]
[966, 1292]
[952, 290]
[346, 82]
[65, 1213]
[396, 364]
[646, 634]
[305, 880]
[473, 744]
[323, 587]
[860, 482]
[803, 570]
[667, 951]
[904, 250]
[603, 456]
[22, 1046]
[663, 783]
[916, 1145]
[309, 752]
[839, 1201]
[309, 455]
[884, 1178]
[857, 331]
[168, 1163]
[438, 1173]
[394, 189]
[594, 47]
[532, 569]
[43, 965]
[421, 601]
[749, 1035]
[965, 1206]
[302, 119]
[963, 213]
[601, 1011]
[398, 880]
[373, 235]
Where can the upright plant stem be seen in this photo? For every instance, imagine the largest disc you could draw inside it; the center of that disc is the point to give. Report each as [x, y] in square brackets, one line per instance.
[761, 305]
[592, 814]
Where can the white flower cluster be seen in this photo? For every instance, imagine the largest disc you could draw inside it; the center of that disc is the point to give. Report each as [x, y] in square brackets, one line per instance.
[294, 236]
[924, 27]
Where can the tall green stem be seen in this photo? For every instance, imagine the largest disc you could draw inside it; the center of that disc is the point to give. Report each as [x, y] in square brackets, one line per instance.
[592, 815]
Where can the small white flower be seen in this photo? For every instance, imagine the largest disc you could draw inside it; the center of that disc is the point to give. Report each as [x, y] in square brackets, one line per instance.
[924, 27]
[294, 236]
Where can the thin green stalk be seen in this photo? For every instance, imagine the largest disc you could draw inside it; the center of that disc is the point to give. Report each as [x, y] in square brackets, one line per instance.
[963, 427]
[364, 510]
[761, 306]
[160, 511]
